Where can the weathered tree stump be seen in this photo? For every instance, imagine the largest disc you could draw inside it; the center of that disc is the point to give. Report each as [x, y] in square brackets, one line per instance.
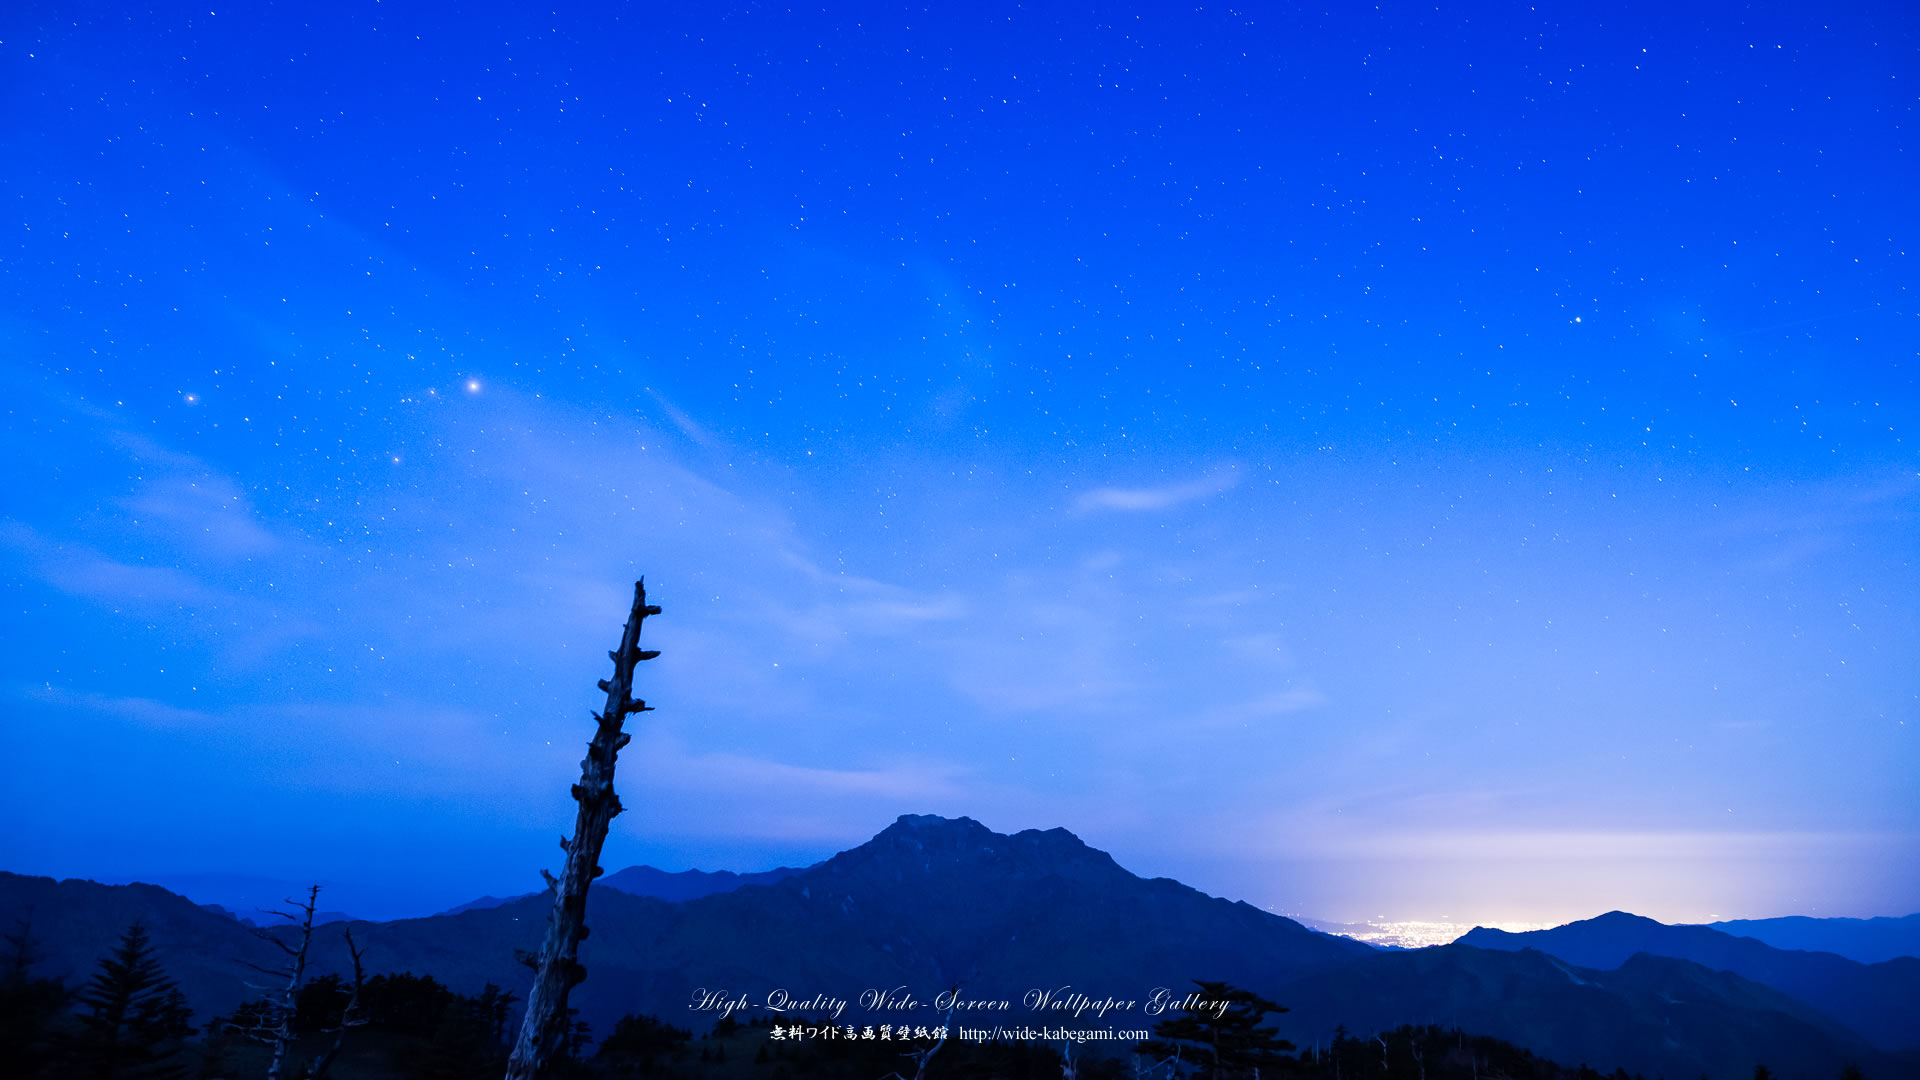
[557, 969]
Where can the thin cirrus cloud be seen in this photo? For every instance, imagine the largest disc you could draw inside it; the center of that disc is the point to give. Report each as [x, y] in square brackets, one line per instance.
[84, 571]
[1489, 848]
[668, 762]
[1264, 706]
[387, 748]
[689, 790]
[203, 508]
[183, 601]
[1157, 498]
[145, 712]
[687, 424]
[207, 512]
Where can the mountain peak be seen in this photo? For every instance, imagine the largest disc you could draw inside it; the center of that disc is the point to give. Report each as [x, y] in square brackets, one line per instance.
[933, 829]
[1622, 918]
[922, 843]
[918, 823]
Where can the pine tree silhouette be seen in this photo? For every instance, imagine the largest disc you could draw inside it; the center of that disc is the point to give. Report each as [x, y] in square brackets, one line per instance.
[30, 1008]
[1223, 1038]
[132, 1017]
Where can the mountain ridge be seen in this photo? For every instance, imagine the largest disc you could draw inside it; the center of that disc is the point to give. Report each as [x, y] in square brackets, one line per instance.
[1867, 941]
[1652, 1016]
[1876, 1000]
[931, 903]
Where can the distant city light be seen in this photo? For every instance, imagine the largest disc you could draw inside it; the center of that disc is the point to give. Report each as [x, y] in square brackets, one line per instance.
[1419, 935]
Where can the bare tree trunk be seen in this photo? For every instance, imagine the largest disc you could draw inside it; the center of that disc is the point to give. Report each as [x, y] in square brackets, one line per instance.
[273, 1020]
[349, 1014]
[921, 1058]
[557, 971]
[281, 1011]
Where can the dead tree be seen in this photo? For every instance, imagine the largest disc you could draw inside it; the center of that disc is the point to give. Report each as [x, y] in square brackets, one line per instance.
[272, 1021]
[1167, 1068]
[557, 969]
[350, 1014]
[921, 1058]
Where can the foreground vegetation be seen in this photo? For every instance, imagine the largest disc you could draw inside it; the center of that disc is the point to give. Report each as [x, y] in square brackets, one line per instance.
[129, 1023]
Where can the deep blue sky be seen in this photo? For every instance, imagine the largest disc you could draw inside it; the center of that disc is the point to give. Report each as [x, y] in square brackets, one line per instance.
[1419, 461]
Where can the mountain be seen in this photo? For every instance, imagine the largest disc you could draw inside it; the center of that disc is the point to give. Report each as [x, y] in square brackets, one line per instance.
[688, 884]
[927, 904]
[659, 884]
[1651, 1015]
[930, 904]
[234, 915]
[1868, 941]
[484, 902]
[1876, 1000]
[320, 918]
[75, 923]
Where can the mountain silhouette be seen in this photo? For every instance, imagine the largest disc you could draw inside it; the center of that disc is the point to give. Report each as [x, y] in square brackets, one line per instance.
[688, 884]
[675, 887]
[1868, 941]
[932, 903]
[1651, 1015]
[929, 903]
[1876, 1000]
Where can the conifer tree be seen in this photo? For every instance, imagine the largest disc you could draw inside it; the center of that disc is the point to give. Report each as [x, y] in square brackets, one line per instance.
[1221, 1036]
[30, 1008]
[133, 1017]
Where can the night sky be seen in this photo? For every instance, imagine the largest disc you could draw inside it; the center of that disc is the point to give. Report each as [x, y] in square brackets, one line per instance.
[1412, 462]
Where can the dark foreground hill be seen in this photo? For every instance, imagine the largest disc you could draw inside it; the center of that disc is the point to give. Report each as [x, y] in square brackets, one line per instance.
[1879, 1001]
[930, 904]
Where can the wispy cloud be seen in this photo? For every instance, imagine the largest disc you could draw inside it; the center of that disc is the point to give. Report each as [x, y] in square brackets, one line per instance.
[690, 791]
[207, 512]
[244, 625]
[688, 426]
[1158, 498]
[1265, 706]
[83, 571]
[388, 747]
[665, 760]
[203, 508]
[144, 711]
[1590, 844]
